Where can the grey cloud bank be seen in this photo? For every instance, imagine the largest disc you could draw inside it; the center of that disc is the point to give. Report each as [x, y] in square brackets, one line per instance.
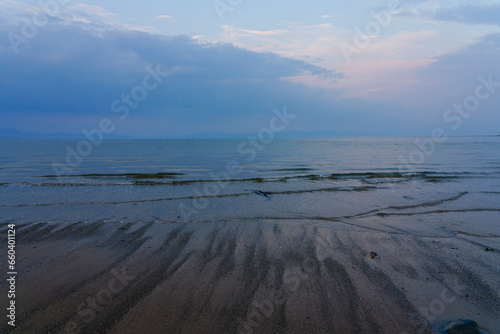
[69, 77]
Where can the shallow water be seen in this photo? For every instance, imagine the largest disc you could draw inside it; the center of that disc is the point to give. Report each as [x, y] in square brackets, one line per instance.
[359, 183]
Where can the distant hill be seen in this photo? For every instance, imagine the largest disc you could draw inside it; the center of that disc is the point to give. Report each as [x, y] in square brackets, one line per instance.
[12, 133]
[291, 134]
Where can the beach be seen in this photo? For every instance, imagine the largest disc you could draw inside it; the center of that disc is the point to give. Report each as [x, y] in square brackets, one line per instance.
[249, 277]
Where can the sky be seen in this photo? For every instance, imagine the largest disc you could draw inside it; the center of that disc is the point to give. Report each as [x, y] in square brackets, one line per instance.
[177, 68]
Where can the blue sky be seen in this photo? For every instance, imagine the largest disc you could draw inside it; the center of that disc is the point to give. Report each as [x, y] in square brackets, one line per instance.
[359, 68]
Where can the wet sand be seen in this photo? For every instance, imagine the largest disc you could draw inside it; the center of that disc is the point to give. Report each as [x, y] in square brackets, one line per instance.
[254, 276]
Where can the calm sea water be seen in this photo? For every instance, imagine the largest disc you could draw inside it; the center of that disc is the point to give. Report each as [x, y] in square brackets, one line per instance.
[234, 178]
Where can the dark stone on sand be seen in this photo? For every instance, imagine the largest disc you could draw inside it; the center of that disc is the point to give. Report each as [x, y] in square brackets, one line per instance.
[462, 326]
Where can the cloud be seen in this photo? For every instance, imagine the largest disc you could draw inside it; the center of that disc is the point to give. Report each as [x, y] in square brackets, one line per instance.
[450, 78]
[486, 13]
[165, 17]
[459, 69]
[317, 44]
[71, 75]
[67, 76]
[387, 62]
[90, 17]
[470, 14]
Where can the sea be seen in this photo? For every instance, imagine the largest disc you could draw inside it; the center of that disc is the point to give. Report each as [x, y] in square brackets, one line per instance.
[411, 185]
